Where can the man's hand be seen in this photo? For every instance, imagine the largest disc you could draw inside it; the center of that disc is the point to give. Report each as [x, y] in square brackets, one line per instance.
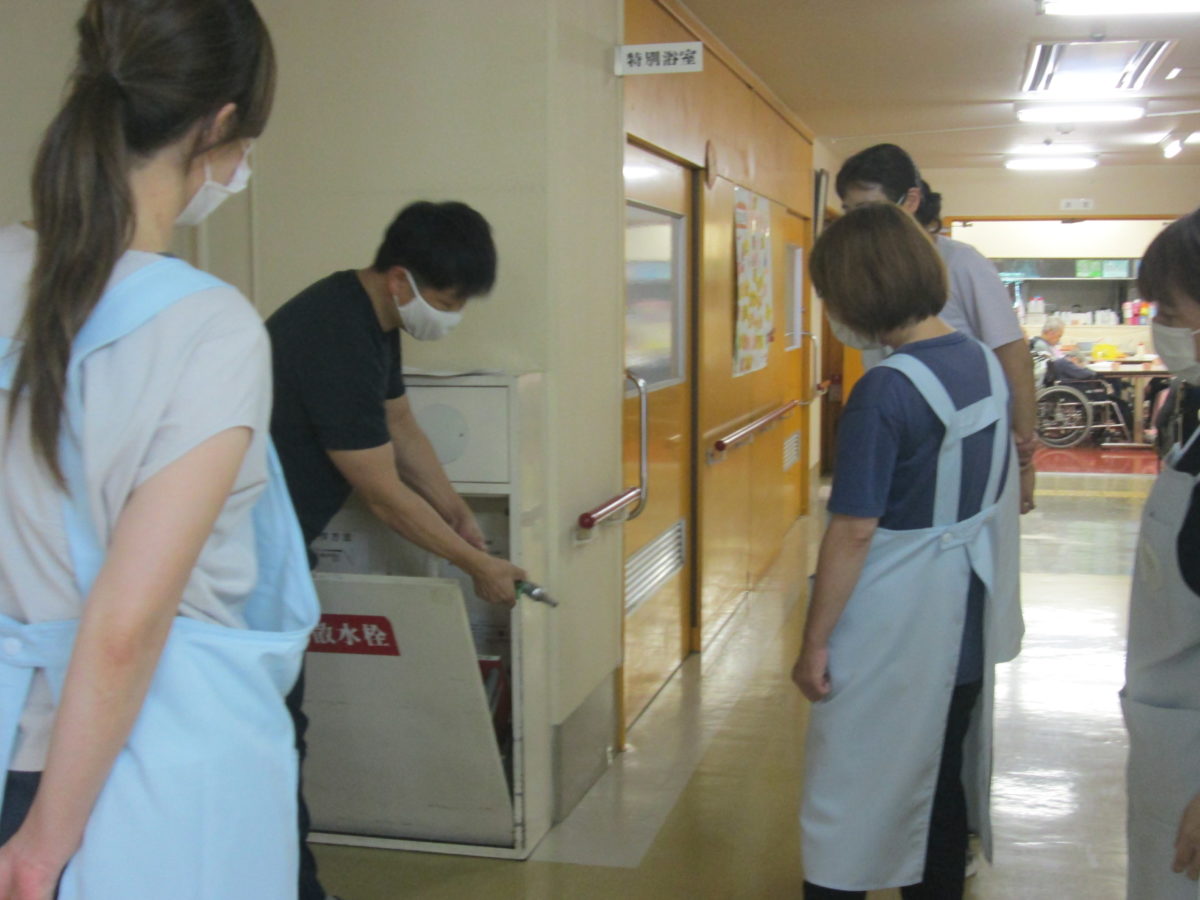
[1025, 450]
[1028, 480]
[496, 580]
[811, 673]
[1187, 841]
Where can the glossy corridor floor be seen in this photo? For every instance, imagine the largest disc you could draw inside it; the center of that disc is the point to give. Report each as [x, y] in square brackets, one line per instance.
[704, 803]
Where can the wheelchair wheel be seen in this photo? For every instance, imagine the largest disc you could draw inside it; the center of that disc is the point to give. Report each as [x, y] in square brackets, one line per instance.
[1064, 416]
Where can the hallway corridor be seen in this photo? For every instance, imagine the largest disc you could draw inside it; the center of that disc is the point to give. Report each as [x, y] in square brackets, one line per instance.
[704, 802]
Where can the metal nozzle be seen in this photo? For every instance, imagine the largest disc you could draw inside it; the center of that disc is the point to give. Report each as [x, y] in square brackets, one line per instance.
[535, 592]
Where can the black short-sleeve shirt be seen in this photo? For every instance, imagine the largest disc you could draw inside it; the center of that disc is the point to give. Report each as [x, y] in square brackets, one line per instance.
[335, 368]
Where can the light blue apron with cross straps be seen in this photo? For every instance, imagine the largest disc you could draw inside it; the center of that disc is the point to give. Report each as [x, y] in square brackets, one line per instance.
[874, 744]
[1161, 697]
[201, 802]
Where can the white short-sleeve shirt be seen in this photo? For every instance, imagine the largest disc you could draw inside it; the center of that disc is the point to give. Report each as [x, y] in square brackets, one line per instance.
[979, 303]
[200, 367]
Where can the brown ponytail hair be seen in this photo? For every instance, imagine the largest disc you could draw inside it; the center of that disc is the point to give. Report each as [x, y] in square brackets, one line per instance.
[148, 72]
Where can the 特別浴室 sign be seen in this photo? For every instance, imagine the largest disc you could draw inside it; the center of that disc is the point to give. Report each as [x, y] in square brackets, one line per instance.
[660, 59]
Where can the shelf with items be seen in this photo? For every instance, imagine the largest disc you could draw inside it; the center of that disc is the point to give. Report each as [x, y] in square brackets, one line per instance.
[1080, 291]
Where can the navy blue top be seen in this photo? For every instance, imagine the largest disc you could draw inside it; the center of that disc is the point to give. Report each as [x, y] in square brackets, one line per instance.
[335, 369]
[888, 444]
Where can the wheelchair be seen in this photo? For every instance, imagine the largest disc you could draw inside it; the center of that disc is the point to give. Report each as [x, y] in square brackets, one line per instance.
[1069, 413]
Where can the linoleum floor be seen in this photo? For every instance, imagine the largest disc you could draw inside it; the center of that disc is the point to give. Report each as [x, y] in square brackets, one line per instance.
[703, 804]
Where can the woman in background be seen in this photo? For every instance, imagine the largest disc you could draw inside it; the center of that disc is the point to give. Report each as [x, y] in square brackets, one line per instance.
[1161, 698]
[154, 598]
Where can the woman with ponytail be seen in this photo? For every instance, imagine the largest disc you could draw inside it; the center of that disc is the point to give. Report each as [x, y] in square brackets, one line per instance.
[154, 592]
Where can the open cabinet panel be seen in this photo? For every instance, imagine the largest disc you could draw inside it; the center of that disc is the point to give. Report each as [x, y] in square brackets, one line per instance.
[402, 742]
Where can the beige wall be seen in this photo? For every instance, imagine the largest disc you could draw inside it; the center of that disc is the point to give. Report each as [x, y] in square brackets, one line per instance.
[1053, 238]
[1166, 190]
[36, 45]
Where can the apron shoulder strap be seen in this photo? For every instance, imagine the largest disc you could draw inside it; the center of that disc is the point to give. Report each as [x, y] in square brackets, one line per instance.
[123, 308]
[959, 424]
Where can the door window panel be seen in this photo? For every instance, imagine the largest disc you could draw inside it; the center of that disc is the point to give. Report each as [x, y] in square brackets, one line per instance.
[654, 295]
[795, 299]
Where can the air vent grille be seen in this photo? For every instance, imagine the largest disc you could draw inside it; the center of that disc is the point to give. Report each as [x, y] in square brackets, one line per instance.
[1082, 67]
[652, 566]
[791, 451]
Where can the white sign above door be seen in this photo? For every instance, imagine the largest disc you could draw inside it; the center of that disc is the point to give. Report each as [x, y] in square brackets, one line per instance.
[660, 59]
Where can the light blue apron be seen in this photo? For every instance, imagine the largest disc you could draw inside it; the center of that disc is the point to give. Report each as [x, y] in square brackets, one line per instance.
[201, 802]
[874, 744]
[1161, 697]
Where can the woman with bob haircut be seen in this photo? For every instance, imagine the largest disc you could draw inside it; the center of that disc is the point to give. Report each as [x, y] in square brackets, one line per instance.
[915, 595]
[155, 601]
[1161, 698]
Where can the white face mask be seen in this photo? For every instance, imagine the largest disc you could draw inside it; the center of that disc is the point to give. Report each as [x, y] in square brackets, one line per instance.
[851, 338]
[1177, 347]
[212, 193]
[422, 321]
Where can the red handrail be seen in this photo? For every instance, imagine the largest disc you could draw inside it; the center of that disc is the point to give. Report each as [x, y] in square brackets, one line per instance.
[748, 431]
[609, 508]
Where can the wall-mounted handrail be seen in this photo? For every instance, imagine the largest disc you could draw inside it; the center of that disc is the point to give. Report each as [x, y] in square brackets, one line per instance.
[634, 496]
[814, 366]
[748, 431]
[609, 508]
[643, 443]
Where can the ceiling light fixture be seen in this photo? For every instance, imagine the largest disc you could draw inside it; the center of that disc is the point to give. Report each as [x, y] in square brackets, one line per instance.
[1050, 163]
[1174, 73]
[1172, 145]
[1118, 7]
[1080, 112]
[1193, 138]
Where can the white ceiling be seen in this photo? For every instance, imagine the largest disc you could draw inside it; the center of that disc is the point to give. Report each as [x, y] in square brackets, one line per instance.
[939, 77]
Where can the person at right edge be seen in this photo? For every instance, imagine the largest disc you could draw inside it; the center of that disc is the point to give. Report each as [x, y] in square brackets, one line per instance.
[1161, 697]
[915, 599]
[342, 421]
[978, 303]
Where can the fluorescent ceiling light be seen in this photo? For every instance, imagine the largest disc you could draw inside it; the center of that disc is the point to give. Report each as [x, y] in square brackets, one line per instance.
[1050, 163]
[1174, 73]
[1119, 7]
[1080, 112]
[1193, 138]
[1172, 145]
[1048, 149]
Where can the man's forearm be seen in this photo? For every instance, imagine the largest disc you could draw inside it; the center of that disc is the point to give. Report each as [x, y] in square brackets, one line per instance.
[410, 515]
[418, 467]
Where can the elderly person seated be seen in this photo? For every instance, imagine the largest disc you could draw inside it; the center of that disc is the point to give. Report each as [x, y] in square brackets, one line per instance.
[1047, 341]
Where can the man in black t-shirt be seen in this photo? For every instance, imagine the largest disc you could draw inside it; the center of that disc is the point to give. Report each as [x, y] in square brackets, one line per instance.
[342, 423]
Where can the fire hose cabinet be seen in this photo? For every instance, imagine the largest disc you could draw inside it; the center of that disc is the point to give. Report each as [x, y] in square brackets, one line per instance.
[429, 718]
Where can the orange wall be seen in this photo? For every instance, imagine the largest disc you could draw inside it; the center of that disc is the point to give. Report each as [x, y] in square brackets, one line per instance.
[723, 119]
[755, 145]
